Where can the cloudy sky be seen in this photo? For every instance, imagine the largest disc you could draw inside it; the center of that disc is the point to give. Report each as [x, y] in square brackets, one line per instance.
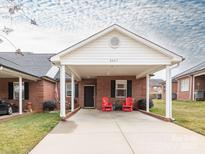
[178, 25]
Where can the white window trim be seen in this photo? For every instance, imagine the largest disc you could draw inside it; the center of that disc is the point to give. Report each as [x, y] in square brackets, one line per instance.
[68, 83]
[184, 85]
[14, 96]
[125, 88]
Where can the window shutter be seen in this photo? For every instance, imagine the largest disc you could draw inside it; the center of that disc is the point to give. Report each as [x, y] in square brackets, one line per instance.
[112, 88]
[26, 90]
[129, 88]
[10, 90]
[76, 90]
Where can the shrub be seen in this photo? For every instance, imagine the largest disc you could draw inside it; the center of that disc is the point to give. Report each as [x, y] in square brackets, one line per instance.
[117, 106]
[49, 105]
[142, 104]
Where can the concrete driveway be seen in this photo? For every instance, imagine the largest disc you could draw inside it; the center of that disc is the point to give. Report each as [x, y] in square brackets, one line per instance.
[96, 132]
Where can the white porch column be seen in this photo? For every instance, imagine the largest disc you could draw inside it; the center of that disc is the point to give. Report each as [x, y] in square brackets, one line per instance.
[20, 95]
[193, 88]
[72, 92]
[168, 93]
[147, 92]
[62, 91]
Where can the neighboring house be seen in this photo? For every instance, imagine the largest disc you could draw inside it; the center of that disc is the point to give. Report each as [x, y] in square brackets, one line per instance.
[191, 83]
[156, 88]
[115, 63]
[33, 74]
[174, 89]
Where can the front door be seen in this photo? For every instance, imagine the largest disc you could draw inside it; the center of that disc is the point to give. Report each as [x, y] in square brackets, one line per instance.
[89, 96]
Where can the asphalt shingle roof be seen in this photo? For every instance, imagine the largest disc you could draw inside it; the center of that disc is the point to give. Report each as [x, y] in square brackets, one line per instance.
[192, 70]
[31, 63]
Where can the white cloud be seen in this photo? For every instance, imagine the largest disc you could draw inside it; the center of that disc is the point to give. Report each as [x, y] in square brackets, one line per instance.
[31, 38]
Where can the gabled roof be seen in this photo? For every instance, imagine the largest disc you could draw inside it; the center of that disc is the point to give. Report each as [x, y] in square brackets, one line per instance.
[193, 70]
[174, 56]
[30, 63]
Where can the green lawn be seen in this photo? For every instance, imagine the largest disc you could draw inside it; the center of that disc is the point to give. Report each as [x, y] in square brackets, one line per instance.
[21, 134]
[186, 113]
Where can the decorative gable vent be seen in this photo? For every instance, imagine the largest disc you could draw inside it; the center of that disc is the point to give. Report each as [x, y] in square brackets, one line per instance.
[114, 42]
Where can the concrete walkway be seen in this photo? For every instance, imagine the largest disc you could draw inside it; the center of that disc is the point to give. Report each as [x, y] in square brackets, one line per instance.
[96, 132]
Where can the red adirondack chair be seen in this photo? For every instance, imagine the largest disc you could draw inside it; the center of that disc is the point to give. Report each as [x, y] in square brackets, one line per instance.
[106, 105]
[128, 105]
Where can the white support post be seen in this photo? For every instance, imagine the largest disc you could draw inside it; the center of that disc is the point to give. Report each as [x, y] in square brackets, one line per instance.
[20, 95]
[72, 92]
[62, 91]
[193, 88]
[147, 92]
[168, 93]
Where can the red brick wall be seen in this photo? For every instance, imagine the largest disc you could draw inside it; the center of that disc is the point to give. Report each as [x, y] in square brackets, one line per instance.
[185, 95]
[36, 95]
[39, 91]
[174, 87]
[48, 90]
[104, 88]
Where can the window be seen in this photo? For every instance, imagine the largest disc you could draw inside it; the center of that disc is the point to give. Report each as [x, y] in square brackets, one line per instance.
[68, 89]
[16, 90]
[185, 85]
[121, 89]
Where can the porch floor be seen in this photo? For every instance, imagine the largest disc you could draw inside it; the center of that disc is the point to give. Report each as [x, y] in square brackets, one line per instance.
[95, 132]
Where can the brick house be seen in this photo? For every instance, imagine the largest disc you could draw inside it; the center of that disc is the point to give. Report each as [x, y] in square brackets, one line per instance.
[115, 63]
[191, 83]
[156, 88]
[174, 89]
[32, 74]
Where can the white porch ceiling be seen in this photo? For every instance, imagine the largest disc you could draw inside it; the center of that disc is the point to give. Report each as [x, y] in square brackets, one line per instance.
[9, 73]
[91, 71]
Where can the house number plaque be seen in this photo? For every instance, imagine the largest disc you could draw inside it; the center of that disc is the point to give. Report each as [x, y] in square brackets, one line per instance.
[113, 60]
